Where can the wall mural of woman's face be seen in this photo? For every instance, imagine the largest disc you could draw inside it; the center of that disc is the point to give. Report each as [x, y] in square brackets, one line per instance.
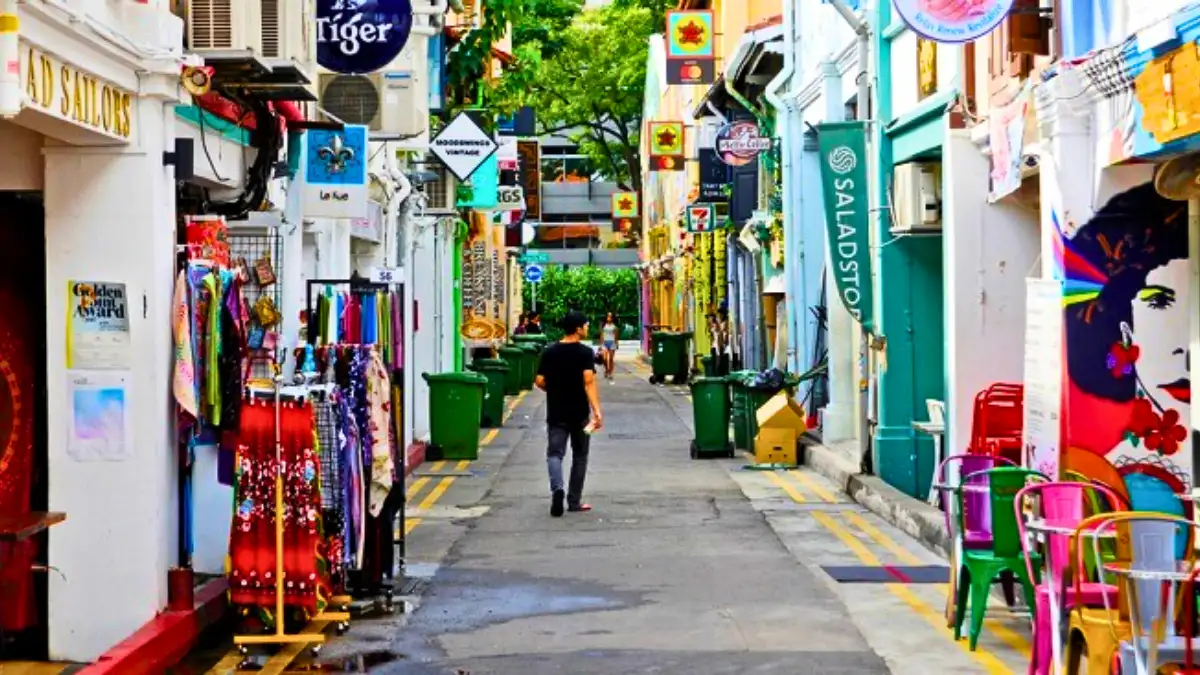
[1126, 316]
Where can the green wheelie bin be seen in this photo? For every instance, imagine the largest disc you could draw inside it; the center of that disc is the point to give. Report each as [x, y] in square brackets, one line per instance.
[709, 366]
[710, 412]
[669, 356]
[514, 357]
[455, 414]
[539, 339]
[737, 390]
[533, 354]
[496, 372]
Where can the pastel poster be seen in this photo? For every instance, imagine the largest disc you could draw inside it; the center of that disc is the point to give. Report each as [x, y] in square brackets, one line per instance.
[337, 157]
[690, 34]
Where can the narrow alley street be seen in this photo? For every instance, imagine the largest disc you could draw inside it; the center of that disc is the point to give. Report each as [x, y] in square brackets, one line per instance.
[698, 567]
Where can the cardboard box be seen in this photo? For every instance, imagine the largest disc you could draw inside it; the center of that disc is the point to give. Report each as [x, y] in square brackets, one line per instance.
[781, 422]
[776, 446]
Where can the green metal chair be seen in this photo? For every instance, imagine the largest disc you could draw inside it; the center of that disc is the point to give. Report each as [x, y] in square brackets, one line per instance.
[983, 566]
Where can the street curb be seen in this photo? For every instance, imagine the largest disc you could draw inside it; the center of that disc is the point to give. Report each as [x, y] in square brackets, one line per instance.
[915, 518]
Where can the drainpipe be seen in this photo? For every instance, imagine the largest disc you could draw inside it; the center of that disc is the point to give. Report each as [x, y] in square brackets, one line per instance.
[434, 10]
[862, 29]
[793, 167]
[392, 210]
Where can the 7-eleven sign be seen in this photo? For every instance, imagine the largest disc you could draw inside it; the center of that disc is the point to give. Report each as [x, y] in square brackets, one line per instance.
[700, 217]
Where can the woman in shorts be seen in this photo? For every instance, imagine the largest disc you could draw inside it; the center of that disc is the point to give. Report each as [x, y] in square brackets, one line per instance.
[609, 332]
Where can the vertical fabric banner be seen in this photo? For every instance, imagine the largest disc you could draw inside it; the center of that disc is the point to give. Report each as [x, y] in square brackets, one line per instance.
[484, 293]
[843, 147]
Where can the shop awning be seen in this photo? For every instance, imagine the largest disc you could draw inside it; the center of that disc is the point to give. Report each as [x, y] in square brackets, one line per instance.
[758, 51]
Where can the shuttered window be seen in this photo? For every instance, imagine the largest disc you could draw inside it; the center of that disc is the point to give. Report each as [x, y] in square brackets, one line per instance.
[211, 24]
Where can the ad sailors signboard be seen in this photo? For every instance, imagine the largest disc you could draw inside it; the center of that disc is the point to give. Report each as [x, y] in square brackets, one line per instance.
[361, 36]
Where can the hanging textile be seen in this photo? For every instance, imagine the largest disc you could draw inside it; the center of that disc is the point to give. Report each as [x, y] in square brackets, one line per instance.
[379, 405]
[184, 380]
[18, 353]
[252, 537]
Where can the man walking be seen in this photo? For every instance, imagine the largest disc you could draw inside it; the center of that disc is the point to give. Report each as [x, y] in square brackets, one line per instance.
[567, 373]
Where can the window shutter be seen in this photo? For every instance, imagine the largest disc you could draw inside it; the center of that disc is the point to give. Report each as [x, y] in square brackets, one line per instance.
[271, 29]
[1027, 31]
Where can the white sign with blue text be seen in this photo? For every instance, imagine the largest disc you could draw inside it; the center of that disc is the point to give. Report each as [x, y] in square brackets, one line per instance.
[335, 173]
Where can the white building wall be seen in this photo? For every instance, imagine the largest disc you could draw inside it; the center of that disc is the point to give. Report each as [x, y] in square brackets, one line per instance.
[989, 250]
[110, 216]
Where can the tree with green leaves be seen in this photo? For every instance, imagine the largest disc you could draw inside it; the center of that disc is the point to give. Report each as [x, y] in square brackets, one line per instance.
[583, 71]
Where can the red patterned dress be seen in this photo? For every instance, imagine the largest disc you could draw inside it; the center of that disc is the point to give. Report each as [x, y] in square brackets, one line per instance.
[252, 537]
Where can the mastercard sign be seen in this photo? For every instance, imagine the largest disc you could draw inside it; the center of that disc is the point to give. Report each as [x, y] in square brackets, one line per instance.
[953, 21]
[691, 57]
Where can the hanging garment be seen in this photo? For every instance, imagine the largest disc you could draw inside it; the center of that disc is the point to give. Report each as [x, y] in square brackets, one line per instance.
[252, 536]
[229, 359]
[352, 320]
[368, 319]
[201, 299]
[330, 452]
[379, 411]
[355, 500]
[397, 340]
[212, 377]
[184, 379]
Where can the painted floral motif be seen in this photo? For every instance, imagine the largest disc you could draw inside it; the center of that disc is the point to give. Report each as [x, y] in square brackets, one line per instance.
[1161, 433]
[1121, 359]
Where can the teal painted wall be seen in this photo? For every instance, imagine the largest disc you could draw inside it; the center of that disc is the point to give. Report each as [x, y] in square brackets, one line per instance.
[909, 276]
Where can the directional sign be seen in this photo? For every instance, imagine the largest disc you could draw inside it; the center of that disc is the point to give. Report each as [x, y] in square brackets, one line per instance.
[463, 146]
[534, 258]
[533, 274]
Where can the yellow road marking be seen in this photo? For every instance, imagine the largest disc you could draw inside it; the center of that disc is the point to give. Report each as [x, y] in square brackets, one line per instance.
[227, 665]
[1007, 636]
[787, 487]
[990, 662]
[411, 524]
[284, 657]
[882, 539]
[416, 487]
[512, 407]
[812, 485]
[440, 489]
[491, 436]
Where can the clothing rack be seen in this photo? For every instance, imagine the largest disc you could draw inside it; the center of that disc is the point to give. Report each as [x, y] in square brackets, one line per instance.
[360, 284]
[280, 636]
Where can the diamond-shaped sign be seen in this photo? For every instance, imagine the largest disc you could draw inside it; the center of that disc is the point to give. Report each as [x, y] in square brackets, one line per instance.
[463, 146]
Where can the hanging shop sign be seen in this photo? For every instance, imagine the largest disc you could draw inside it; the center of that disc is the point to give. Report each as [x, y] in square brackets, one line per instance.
[483, 190]
[335, 173]
[700, 217]
[714, 177]
[98, 335]
[625, 205]
[739, 143]
[1006, 139]
[510, 198]
[484, 277]
[66, 92]
[666, 146]
[842, 148]
[507, 152]
[361, 36]
[952, 20]
[691, 58]
[529, 175]
[463, 146]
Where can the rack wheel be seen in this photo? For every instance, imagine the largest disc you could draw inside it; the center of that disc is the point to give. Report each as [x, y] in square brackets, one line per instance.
[315, 650]
[243, 650]
[342, 627]
[389, 602]
[730, 454]
[245, 664]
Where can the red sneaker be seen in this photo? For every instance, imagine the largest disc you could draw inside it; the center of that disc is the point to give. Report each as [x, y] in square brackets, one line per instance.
[580, 508]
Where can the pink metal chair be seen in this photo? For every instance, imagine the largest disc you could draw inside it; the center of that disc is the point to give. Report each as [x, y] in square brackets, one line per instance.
[1060, 505]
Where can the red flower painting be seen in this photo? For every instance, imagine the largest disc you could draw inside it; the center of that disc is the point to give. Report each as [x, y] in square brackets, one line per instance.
[1121, 359]
[1161, 433]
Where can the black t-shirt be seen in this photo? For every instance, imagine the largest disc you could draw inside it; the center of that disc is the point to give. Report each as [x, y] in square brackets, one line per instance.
[563, 365]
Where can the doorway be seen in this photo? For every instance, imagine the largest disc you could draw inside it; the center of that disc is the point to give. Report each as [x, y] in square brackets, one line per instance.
[23, 454]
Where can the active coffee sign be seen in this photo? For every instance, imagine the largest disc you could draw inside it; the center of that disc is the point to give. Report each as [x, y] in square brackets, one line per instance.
[361, 36]
[953, 20]
[463, 146]
[739, 143]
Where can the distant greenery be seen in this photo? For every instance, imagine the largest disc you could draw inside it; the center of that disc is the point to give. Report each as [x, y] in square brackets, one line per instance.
[595, 291]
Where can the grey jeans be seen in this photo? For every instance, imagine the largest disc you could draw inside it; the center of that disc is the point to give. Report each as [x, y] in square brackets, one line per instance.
[556, 451]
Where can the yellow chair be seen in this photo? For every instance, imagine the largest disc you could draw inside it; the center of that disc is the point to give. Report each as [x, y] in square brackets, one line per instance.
[1095, 634]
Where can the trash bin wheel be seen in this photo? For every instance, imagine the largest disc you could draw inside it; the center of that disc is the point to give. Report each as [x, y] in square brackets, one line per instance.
[655, 379]
[695, 450]
[679, 379]
[730, 451]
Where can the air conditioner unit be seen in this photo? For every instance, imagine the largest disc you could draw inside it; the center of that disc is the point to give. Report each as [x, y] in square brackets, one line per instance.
[917, 199]
[274, 29]
[442, 192]
[388, 102]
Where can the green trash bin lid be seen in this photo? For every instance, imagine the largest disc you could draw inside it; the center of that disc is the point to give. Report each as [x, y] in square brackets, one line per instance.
[709, 380]
[489, 364]
[511, 350]
[457, 378]
[532, 348]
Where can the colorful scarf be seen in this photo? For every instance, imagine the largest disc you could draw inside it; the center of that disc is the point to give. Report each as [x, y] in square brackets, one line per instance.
[184, 381]
[379, 422]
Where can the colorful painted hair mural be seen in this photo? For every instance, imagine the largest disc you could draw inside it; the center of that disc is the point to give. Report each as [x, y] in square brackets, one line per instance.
[1126, 314]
